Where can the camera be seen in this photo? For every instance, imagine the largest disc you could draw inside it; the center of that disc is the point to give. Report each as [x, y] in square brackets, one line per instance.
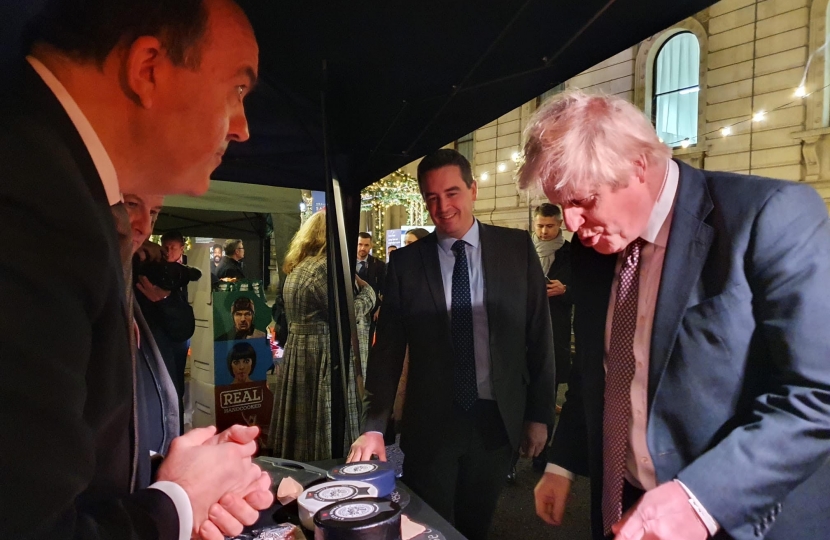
[167, 275]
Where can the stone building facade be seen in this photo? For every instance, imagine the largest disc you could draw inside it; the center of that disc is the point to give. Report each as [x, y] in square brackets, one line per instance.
[752, 57]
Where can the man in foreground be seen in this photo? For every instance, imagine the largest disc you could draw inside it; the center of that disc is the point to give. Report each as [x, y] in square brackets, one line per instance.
[116, 96]
[469, 302]
[700, 400]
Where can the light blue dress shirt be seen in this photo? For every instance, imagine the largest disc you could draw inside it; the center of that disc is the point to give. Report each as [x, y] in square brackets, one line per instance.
[481, 330]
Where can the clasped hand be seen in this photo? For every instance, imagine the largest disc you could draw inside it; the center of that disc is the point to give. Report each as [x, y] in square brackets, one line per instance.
[226, 489]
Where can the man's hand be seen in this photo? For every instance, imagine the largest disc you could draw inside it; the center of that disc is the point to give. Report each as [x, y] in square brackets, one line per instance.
[208, 467]
[154, 293]
[150, 251]
[663, 513]
[366, 445]
[551, 494]
[555, 288]
[535, 439]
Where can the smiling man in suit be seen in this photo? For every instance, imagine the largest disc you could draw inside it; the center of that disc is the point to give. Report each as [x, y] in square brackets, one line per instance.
[469, 302]
[700, 398]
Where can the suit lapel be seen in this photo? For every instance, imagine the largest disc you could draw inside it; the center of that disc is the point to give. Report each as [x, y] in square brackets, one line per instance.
[688, 246]
[429, 256]
[490, 268]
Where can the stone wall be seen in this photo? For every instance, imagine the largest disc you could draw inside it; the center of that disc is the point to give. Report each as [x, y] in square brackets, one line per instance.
[753, 55]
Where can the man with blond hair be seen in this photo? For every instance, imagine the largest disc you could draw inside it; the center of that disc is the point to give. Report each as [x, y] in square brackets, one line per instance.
[700, 400]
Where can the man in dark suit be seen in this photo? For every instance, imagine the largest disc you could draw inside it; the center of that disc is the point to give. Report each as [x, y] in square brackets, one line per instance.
[157, 403]
[116, 96]
[700, 398]
[468, 301]
[231, 264]
[168, 313]
[372, 271]
[555, 255]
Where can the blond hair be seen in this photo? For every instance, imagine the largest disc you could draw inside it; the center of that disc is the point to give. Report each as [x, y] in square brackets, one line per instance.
[578, 141]
[309, 241]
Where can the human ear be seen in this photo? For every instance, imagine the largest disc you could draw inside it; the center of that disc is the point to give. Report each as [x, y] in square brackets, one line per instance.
[142, 65]
[640, 166]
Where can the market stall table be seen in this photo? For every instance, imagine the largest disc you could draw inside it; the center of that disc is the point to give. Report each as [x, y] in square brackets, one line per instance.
[311, 473]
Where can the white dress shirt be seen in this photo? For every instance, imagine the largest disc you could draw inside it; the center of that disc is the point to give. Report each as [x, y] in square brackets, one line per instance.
[109, 178]
[639, 465]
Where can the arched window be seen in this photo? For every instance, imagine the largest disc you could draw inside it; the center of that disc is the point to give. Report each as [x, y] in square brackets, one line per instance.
[676, 87]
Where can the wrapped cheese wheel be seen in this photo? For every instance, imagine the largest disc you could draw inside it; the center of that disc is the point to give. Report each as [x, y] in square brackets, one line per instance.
[316, 497]
[380, 474]
[359, 519]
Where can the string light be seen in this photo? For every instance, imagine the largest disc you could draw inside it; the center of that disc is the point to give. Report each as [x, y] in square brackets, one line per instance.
[515, 156]
[485, 176]
[800, 93]
[501, 167]
[685, 143]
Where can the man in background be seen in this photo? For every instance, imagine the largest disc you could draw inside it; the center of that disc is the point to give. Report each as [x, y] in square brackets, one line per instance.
[158, 408]
[173, 244]
[169, 315]
[469, 302]
[116, 96]
[555, 255]
[373, 271]
[231, 264]
[699, 404]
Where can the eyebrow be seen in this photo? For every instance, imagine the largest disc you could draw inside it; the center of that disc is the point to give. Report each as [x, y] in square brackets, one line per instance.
[251, 74]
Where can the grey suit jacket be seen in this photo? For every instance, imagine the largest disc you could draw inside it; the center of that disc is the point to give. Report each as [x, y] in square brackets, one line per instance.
[739, 375]
[414, 313]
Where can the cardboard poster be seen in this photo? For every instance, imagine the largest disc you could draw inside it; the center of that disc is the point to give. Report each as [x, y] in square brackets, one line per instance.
[242, 357]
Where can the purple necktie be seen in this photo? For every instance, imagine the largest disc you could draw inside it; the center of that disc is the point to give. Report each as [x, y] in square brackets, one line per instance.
[618, 376]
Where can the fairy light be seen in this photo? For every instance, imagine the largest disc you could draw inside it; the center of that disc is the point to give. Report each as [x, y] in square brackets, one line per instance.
[502, 167]
[727, 131]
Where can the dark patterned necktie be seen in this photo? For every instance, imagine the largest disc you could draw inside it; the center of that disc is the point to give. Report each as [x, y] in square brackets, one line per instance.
[466, 389]
[362, 271]
[619, 373]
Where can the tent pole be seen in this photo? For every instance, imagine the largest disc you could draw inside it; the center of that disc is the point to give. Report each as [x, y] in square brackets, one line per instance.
[342, 324]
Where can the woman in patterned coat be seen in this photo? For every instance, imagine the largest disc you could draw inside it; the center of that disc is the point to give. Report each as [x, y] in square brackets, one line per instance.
[301, 421]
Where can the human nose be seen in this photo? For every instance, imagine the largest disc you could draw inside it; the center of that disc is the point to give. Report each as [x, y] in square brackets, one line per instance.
[573, 218]
[238, 128]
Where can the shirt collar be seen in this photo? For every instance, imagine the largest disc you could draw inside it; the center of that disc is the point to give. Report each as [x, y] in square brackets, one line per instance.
[102, 161]
[472, 238]
[662, 207]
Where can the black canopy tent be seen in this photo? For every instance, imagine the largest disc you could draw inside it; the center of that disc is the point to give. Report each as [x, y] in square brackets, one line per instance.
[351, 91]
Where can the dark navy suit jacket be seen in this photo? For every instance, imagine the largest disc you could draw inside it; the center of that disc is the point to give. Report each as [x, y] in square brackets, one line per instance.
[414, 314]
[67, 450]
[739, 374]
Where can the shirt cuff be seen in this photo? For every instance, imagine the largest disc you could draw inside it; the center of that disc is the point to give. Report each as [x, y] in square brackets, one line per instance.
[557, 470]
[181, 501]
[708, 521]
